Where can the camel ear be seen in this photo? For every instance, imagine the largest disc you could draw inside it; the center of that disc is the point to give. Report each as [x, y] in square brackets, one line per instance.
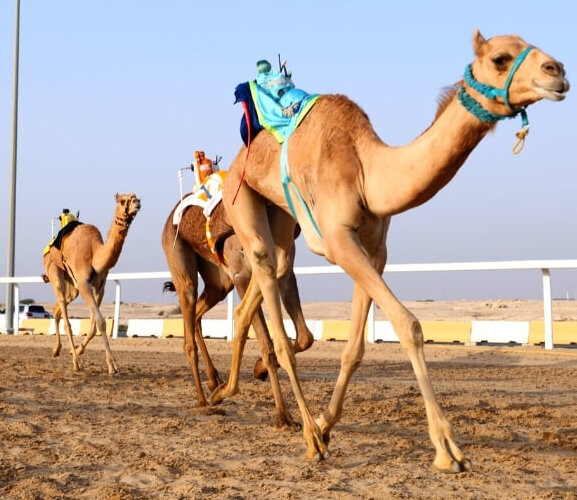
[478, 42]
[117, 197]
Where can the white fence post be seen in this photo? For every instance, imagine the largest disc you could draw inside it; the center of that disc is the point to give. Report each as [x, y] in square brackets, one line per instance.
[230, 315]
[371, 324]
[16, 316]
[547, 309]
[116, 310]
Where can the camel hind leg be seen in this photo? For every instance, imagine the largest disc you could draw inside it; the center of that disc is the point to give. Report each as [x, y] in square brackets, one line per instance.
[268, 360]
[291, 300]
[57, 313]
[64, 314]
[65, 292]
[254, 227]
[217, 285]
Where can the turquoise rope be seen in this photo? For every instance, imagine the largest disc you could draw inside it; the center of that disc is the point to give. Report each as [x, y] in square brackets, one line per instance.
[482, 114]
[286, 180]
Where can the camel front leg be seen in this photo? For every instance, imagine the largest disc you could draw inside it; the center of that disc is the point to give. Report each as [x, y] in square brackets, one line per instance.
[89, 336]
[97, 320]
[448, 457]
[110, 361]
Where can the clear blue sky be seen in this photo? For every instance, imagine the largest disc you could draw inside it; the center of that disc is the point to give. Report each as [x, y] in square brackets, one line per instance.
[116, 95]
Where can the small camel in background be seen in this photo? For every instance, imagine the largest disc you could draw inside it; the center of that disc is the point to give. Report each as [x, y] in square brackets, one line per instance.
[81, 265]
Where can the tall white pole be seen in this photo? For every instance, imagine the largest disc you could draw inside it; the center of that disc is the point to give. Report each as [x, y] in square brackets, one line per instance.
[12, 207]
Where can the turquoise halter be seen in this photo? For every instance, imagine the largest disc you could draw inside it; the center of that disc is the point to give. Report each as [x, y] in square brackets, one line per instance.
[492, 93]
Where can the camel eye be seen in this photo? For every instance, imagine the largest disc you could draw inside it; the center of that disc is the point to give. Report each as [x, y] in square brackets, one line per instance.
[500, 61]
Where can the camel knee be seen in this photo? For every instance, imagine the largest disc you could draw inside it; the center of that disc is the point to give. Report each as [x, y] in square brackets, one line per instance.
[265, 262]
[101, 325]
[284, 354]
[353, 358]
[190, 350]
[412, 335]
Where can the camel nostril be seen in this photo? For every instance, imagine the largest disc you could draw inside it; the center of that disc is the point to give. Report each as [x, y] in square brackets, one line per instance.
[553, 68]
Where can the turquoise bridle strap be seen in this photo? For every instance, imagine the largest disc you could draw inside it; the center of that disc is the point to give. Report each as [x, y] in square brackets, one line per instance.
[493, 93]
[286, 180]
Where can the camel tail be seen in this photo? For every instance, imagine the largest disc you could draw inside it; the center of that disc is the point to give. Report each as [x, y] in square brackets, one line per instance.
[168, 287]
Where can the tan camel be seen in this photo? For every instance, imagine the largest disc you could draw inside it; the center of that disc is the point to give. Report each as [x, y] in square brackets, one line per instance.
[353, 183]
[188, 254]
[81, 266]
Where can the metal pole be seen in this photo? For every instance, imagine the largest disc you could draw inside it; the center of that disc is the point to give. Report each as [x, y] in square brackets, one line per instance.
[12, 207]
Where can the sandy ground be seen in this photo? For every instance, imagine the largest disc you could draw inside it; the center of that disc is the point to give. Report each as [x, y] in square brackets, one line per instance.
[139, 434]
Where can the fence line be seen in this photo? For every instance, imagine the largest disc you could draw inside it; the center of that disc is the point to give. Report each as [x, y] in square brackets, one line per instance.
[544, 266]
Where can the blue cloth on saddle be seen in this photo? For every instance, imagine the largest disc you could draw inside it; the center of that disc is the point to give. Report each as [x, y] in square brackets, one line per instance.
[242, 94]
[267, 112]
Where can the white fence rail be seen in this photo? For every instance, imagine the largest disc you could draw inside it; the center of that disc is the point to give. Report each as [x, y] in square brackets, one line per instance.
[544, 266]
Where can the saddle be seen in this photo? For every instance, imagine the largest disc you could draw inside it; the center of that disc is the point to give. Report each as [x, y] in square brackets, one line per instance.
[205, 202]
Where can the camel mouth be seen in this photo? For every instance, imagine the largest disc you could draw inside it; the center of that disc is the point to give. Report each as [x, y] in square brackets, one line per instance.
[552, 91]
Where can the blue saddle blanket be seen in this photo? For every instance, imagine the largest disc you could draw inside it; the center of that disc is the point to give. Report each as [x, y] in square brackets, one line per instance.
[271, 114]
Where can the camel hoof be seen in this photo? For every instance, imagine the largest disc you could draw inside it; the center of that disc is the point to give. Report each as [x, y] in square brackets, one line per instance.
[288, 424]
[55, 353]
[218, 395]
[455, 467]
[319, 457]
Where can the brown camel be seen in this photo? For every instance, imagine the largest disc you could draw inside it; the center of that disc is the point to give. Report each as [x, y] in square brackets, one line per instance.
[81, 265]
[188, 254]
[353, 184]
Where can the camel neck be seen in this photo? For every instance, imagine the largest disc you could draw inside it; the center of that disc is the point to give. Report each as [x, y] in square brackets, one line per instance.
[114, 243]
[414, 173]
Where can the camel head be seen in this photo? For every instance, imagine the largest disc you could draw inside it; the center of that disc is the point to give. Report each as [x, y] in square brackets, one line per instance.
[509, 74]
[127, 206]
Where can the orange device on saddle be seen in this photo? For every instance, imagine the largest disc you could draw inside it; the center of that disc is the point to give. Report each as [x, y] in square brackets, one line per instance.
[203, 167]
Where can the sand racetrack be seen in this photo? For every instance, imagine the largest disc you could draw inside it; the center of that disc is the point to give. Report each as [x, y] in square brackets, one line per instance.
[139, 434]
